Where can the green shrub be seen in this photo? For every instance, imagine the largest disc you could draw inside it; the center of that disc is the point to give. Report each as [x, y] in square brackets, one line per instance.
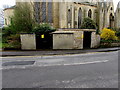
[110, 41]
[6, 31]
[88, 23]
[12, 41]
[118, 33]
[15, 37]
[43, 28]
[7, 46]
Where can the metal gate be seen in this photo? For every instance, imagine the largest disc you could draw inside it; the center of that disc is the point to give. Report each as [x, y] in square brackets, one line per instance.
[44, 41]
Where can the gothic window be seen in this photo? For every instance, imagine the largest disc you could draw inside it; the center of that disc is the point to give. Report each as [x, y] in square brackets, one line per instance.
[50, 16]
[5, 21]
[111, 8]
[69, 15]
[90, 13]
[11, 20]
[43, 11]
[111, 20]
[75, 22]
[79, 18]
[37, 11]
[102, 10]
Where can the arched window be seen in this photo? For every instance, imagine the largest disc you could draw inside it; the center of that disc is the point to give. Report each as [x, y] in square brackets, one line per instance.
[102, 10]
[111, 20]
[75, 15]
[69, 16]
[111, 8]
[79, 17]
[90, 13]
[37, 11]
[5, 21]
[43, 11]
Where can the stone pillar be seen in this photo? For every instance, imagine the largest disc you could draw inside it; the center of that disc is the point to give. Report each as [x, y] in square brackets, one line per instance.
[101, 20]
[63, 15]
[86, 13]
[56, 14]
[73, 16]
[78, 39]
[76, 18]
[95, 40]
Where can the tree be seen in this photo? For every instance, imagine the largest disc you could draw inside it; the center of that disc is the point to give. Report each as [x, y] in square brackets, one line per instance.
[22, 21]
[39, 12]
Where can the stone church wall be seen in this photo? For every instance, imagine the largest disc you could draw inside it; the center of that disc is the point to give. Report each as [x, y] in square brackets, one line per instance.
[117, 18]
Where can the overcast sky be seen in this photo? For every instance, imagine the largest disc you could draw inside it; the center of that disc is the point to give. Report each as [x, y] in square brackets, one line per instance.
[12, 2]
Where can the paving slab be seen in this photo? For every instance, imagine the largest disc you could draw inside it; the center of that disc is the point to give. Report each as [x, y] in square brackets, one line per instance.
[55, 52]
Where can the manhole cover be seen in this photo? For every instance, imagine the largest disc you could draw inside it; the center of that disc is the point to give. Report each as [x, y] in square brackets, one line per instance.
[18, 63]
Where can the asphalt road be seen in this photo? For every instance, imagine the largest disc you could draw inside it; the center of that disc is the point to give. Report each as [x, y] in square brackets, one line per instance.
[92, 70]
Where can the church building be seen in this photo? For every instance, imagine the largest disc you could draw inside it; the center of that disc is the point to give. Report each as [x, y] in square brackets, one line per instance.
[117, 16]
[70, 14]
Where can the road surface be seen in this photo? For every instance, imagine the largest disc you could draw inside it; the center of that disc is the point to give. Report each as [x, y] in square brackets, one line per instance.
[91, 70]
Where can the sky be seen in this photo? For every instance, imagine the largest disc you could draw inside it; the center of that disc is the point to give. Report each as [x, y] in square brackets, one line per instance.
[12, 2]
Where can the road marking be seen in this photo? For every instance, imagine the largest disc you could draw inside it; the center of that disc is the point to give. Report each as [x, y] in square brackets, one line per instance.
[87, 63]
[72, 64]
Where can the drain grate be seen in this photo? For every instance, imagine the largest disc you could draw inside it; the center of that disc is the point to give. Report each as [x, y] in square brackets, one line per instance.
[18, 63]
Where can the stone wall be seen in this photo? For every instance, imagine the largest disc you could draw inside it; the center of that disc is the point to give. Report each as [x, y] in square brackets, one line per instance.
[78, 40]
[95, 40]
[55, 14]
[28, 41]
[115, 44]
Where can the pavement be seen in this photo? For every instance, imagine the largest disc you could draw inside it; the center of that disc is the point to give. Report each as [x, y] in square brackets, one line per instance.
[54, 52]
